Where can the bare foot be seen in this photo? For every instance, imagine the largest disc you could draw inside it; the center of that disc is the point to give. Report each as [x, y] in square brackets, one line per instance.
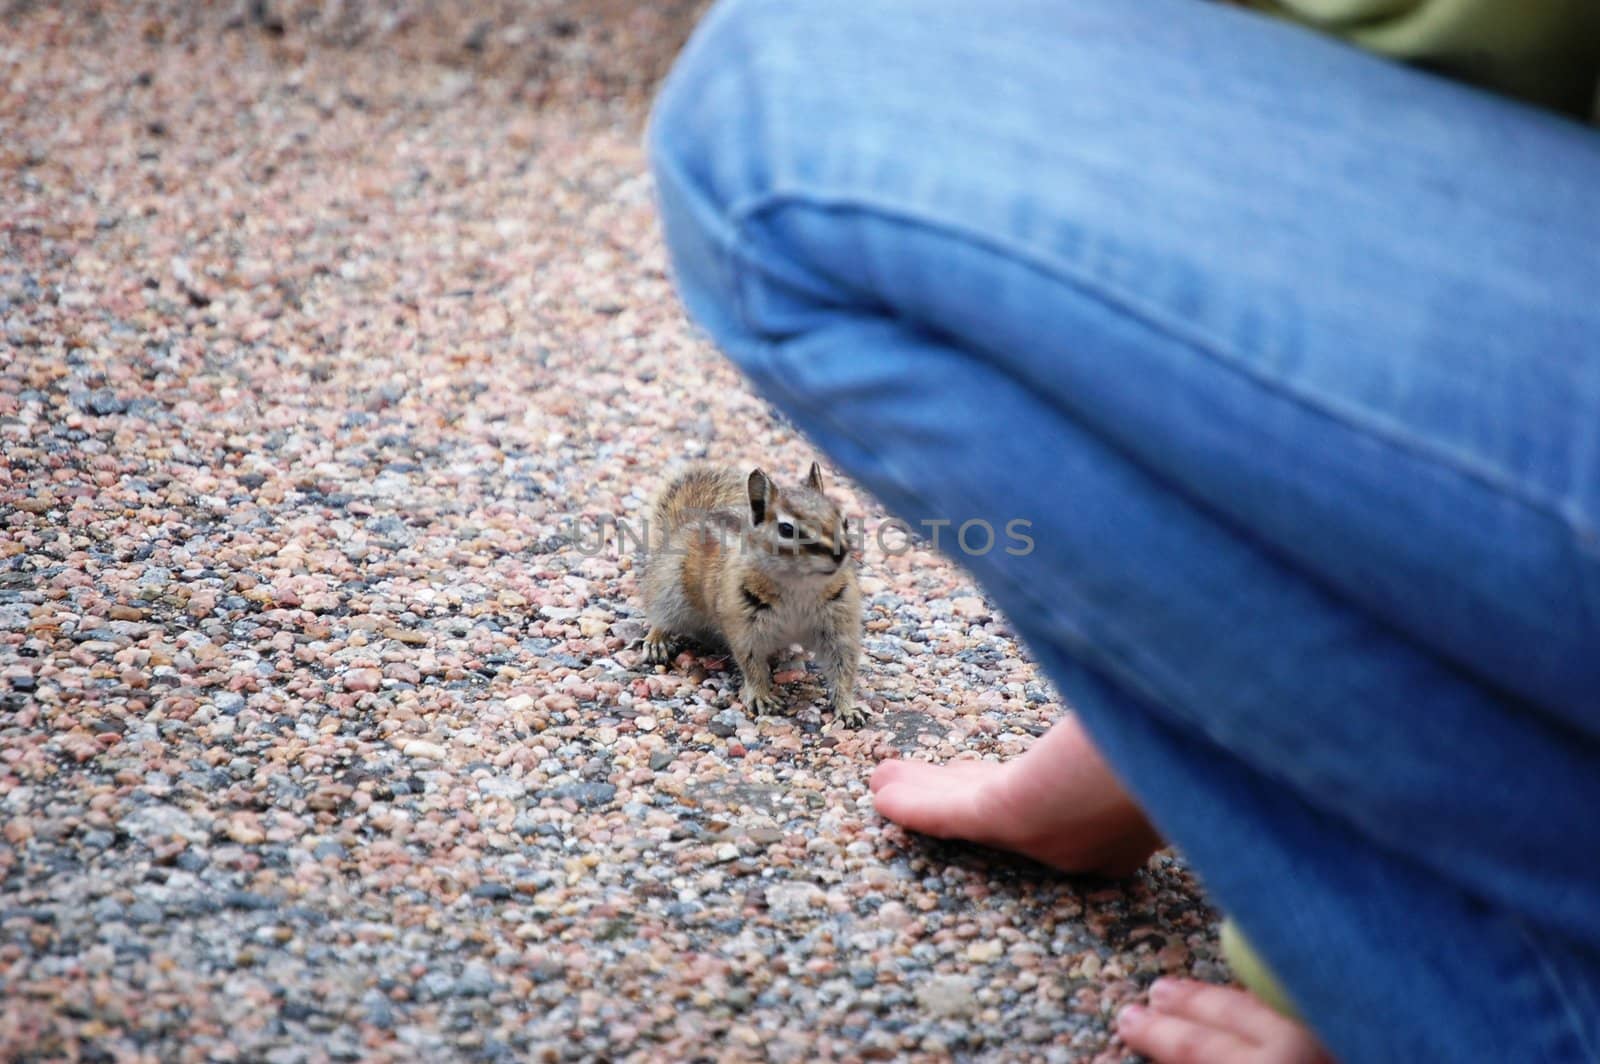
[1189, 1022]
[1057, 803]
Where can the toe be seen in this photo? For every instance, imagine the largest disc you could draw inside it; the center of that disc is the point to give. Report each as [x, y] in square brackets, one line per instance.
[851, 716]
[886, 773]
[1225, 1007]
[941, 811]
[1238, 1012]
[761, 705]
[1169, 1039]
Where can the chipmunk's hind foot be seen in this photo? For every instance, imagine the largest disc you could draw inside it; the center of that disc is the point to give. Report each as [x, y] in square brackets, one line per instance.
[853, 715]
[763, 704]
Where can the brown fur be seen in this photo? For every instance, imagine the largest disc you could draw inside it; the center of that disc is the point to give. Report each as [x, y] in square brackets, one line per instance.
[741, 563]
[697, 492]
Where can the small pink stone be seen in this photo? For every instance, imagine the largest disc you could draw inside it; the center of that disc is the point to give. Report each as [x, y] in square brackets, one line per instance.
[362, 680]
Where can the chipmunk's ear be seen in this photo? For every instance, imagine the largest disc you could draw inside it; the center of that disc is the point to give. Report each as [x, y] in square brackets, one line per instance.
[762, 495]
[814, 478]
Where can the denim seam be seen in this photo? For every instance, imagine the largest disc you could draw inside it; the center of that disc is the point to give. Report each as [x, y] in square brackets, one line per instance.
[1151, 316]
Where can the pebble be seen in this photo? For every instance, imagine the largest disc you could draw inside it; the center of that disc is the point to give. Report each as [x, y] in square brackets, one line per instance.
[790, 900]
[363, 680]
[230, 702]
[727, 723]
[476, 980]
[969, 606]
[246, 832]
[586, 794]
[948, 996]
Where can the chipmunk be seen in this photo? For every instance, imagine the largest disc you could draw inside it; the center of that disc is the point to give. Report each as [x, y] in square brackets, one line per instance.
[739, 563]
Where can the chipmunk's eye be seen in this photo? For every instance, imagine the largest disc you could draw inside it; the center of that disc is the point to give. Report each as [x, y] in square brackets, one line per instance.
[786, 530]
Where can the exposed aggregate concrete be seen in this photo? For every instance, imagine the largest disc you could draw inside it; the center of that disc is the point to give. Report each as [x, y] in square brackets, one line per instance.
[322, 733]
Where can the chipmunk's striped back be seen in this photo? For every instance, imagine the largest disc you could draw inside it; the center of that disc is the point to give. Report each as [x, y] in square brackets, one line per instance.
[697, 494]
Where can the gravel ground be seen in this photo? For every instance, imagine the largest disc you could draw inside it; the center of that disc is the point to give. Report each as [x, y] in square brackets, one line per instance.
[324, 735]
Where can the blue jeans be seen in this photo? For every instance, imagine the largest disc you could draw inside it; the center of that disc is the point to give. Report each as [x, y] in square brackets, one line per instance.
[1291, 356]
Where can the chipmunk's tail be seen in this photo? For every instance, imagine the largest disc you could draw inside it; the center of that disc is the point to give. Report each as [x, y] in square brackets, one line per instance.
[698, 493]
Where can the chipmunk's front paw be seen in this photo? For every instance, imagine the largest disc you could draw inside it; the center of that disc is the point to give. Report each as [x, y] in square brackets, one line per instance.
[761, 704]
[853, 715]
[657, 648]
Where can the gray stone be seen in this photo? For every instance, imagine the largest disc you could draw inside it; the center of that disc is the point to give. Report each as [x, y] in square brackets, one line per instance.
[588, 793]
[229, 702]
[142, 912]
[948, 996]
[791, 900]
[477, 980]
[435, 985]
[726, 723]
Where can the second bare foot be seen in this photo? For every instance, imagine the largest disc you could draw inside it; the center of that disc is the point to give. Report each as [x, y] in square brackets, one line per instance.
[1189, 1022]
